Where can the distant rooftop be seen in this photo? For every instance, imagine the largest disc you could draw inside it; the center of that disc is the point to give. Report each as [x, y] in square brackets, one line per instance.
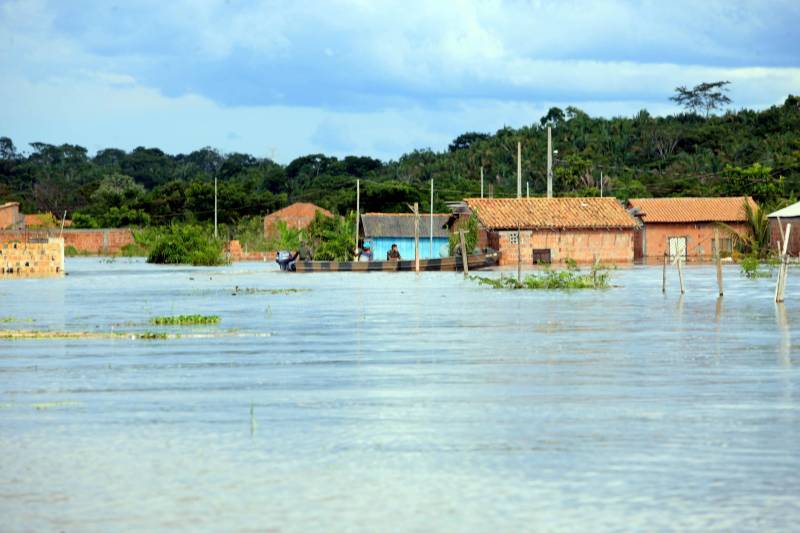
[529, 213]
[677, 210]
[787, 212]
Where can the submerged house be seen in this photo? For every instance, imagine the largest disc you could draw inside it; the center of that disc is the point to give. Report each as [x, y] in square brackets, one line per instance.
[555, 229]
[779, 220]
[686, 225]
[10, 216]
[296, 216]
[385, 229]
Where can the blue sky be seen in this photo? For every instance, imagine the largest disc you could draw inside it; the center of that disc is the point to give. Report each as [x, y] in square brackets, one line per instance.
[284, 79]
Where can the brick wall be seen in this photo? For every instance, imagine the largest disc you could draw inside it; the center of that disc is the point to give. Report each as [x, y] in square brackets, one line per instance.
[32, 259]
[794, 234]
[94, 241]
[9, 215]
[609, 246]
[699, 239]
[235, 252]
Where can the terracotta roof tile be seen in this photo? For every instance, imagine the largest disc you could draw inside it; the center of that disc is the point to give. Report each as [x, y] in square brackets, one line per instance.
[726, 209]
[528, 213]
[299, 209]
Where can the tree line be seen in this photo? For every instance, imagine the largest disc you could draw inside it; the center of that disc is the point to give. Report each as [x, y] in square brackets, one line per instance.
[743, 152]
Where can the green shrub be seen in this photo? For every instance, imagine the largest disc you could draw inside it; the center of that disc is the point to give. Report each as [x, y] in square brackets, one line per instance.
[596, 278]
[750, 265]
[182, 244]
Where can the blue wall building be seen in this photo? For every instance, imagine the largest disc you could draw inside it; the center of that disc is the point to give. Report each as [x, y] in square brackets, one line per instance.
[384, 229]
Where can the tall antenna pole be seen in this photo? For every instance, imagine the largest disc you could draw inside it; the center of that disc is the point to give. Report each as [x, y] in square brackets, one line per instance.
[215, 208]
[431, 235]
[358, 208]
[549, 163]
[519, 169]
[481, 181]
[527, 189]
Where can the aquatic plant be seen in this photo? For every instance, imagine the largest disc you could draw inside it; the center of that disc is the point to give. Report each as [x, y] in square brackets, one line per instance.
[184, 320]
[751, 267]
[596, 278]
[249, 290]
[9, 319]
[151, 335]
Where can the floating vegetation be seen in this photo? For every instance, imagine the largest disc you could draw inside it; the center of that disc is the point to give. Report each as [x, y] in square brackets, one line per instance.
[147, 335]
[54, 405]
[248, 290]
[62, 335]
[185, 320]
[597, 278]
[10, 319]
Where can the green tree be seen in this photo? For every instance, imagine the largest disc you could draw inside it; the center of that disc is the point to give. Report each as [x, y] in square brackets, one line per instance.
[708, 96]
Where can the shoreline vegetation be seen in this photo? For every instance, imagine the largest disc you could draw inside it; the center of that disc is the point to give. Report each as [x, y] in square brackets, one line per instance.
[118, 335]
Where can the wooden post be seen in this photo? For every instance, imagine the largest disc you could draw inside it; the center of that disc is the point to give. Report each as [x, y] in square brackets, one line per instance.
[783, 270]
[358, 211]
[464, 262]
[215, 207]
[519, 254]
[718, 259]
[519, 169]
[63, 221]
[481, 181]
[680, 269]
[664, 273]
[549, 163]
[416, 237]
[431, 234]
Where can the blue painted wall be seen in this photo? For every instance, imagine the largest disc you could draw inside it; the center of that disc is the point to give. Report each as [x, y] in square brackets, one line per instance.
[381, 245]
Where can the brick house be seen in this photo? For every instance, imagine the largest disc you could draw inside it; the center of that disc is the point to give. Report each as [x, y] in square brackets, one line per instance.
[785, 216]
[686, 224]
[297, 216]
[10, 216]
[555, 229]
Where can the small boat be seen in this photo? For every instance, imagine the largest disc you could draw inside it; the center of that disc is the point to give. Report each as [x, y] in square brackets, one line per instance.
[474, 261]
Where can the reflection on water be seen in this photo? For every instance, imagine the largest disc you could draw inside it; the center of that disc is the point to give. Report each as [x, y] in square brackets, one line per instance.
[391, 401]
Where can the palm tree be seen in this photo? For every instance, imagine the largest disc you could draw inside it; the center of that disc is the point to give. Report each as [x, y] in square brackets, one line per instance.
[756, 239]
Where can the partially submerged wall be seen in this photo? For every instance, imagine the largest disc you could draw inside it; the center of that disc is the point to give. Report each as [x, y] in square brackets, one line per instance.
[34, 258]
[92, 241]
[583, 246]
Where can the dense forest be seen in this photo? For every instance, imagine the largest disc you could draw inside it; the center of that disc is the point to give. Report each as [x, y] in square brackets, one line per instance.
[687, 154]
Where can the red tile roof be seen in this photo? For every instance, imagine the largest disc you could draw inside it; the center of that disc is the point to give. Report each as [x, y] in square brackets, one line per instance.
[530, 213]
[676, 210]
[298, 210]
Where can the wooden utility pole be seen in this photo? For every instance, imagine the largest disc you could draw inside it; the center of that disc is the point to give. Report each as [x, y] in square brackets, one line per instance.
[680, 268]
[464, 262]
[519, 169]
[416, 237]
[430, 256]
[481, 181]
[549, 163]
[215, 208]
[63, 221]
[519, 255]
[601, 184]
[527, 189]
[358, 211]
[718, 260]
[664, 273]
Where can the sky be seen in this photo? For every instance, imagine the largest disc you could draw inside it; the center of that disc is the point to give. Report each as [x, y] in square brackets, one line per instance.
[282, 79]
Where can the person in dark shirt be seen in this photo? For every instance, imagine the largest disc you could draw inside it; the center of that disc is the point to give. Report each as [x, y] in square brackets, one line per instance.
[393, 254]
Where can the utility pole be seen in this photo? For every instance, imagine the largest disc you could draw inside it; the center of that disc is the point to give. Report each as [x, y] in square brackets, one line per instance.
[481, 181]
[431, 234]
[549, 163]
[527, 189]
[215, 208]
[519, 169]
[416, 237]
[358, 208]
[601, 184]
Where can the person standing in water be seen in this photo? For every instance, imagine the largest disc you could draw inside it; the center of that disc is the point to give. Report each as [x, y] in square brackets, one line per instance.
[393, 254]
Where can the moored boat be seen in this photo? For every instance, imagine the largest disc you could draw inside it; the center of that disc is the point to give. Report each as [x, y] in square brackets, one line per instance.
[474, 262]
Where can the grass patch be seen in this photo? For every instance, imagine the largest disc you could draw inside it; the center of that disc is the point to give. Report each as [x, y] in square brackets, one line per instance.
[597, 278]
[751, 267]
[66, 335]
[54, 405]
[71, 251]
[185, 320]
[133, 250]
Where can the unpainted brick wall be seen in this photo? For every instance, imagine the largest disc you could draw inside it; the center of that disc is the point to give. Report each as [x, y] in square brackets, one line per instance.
[32, 259]
[584, 246]
[699, 238]
[94, 241]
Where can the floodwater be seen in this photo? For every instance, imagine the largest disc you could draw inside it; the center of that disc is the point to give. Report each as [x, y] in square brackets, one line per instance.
[395, 402]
